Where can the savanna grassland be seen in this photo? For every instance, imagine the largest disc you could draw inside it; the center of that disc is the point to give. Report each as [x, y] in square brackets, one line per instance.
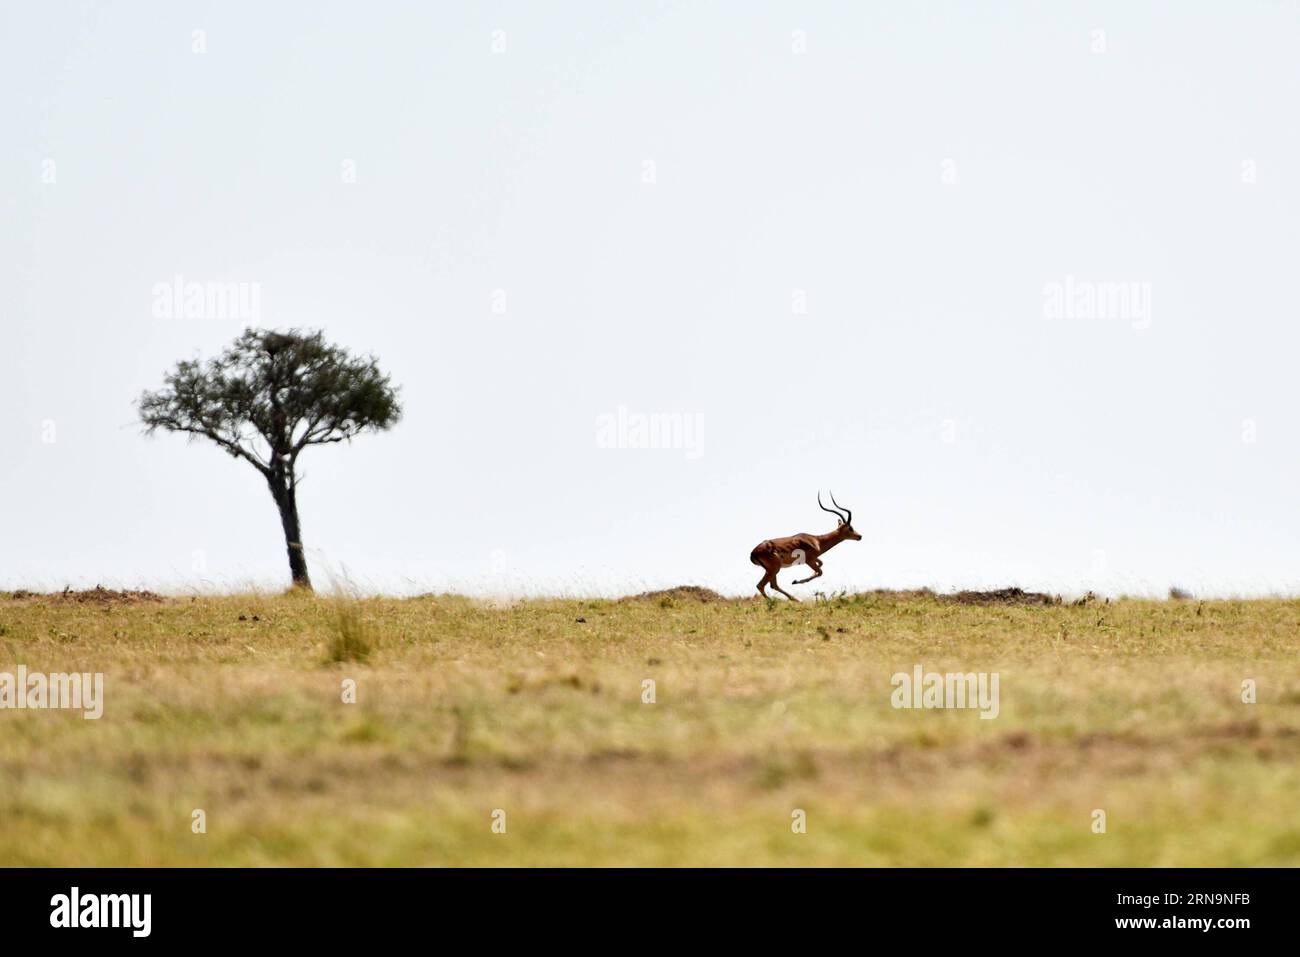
[233, 705]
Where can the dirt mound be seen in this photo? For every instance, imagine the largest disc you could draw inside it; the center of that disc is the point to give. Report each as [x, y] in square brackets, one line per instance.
[1002, 596]
[680, 593]
[98, 595]
[895, 594]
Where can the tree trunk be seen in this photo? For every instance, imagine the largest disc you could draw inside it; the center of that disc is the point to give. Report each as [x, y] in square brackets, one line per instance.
[286, 500]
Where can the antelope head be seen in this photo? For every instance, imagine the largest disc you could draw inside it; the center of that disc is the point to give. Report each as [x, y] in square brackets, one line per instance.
[845, 527]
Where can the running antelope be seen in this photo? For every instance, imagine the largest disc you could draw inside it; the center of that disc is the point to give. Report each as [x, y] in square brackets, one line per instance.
[802, 549]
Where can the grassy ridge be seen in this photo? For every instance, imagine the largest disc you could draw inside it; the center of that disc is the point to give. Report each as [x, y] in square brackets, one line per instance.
[233, 705]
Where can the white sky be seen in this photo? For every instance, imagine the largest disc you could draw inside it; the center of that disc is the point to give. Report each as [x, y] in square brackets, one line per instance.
[920, 173]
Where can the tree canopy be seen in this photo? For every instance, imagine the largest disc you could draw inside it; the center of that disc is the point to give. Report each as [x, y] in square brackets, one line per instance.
[272, 394]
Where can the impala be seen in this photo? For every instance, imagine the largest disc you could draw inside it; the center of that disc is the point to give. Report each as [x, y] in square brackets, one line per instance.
[802, 549]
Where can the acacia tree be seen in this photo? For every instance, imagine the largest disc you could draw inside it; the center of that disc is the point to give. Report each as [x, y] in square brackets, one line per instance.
[268, 397]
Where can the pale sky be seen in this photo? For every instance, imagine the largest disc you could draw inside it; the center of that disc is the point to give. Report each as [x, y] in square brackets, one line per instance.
[834, 239]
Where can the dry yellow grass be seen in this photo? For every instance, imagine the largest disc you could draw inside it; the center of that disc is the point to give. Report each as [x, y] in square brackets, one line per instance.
[233, 705]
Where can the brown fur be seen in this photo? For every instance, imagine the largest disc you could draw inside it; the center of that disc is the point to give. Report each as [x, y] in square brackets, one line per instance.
[802, 549]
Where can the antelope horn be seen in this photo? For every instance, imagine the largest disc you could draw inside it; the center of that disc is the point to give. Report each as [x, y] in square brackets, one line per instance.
[848, 516]
[832, 511]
